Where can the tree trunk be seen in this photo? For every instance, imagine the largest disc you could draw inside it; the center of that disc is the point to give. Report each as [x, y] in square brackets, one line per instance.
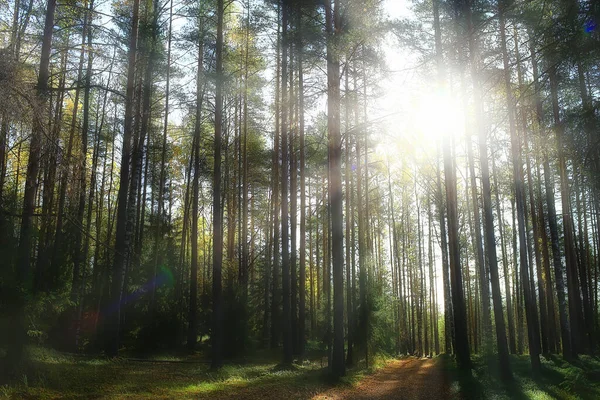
[121, 238]
[565, 329]
[575, 306]
[79, 256]
[58, 252]
[509, 306]
[192, 313]
[163, 160]
[17, 317]
[217, 332]
[275, 298]
[302, 255]
[293, 204]
[285, 251]
[460, 318]
[530, 300]
[484, 282]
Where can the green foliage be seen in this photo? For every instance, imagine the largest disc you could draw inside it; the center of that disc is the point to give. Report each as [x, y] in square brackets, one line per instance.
[558, 379]
[52, 374]
[382, 330]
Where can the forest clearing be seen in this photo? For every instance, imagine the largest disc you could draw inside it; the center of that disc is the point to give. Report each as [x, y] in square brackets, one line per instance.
[315, 199]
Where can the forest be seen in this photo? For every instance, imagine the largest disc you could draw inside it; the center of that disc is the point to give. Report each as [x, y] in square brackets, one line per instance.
[315, 199]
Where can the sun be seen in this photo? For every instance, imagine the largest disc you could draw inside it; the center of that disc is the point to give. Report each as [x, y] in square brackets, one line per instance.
[436, 115]
[421, 118]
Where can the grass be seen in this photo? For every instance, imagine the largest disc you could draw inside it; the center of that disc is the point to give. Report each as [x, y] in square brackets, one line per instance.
[53, 375]
[558, 379]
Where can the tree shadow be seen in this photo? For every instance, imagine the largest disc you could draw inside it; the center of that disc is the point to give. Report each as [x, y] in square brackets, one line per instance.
[470, 386]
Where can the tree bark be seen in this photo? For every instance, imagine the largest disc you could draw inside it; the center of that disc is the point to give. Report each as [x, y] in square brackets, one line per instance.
[575, 305]
[530, 300]
[193, 305]
[285, 251]
[565, 329]
[121, 238]
[490, 238]
[217, 332]
[302, 255]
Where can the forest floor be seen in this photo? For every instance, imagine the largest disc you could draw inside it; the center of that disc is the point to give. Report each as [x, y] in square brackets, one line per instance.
[410, 378]
[54, 375]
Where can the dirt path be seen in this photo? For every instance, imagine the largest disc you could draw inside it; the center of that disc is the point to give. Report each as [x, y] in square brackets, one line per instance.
[403, 379]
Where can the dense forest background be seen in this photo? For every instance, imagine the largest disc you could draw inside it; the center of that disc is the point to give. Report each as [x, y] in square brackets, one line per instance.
[223, 176]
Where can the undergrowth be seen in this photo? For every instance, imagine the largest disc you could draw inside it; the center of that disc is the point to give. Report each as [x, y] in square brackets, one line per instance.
[49, 374]
[557, 380]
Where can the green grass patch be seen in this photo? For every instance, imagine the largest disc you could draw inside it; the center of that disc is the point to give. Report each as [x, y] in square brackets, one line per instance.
[558, 379]
[53, 375]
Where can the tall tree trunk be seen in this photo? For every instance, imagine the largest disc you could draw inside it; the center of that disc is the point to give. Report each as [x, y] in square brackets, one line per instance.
[285, 251]
[293, 203]
[97, 281]
[530, 300]
[484, 282]
[545, 332]
[17, 317]
[245, 190]
[448, 317]
[432, 284]
[121, 238]
[58, 252]
[217, 332]
[79, 256]
[193, 305]
[509, 306]
[275, 297]
[46, 224]
[348, 245]
[490, 238]
[565, 329]
[553, 338]
[302, 255]
[575, 306]
[459, 311]
[163, 160]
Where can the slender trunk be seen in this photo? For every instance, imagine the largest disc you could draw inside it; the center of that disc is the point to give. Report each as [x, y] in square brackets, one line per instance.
[96, 278]
[58, 252]
[217, 332]
[448, 317]
[49, 186]
[459, 311]
[553, 339]
[302, 255]
[121, 238]
[275, 299]
[79, 256]
[490, 238]
[193, 305]
[509, 306]
[484, 282]
[285, 251]
[17, 318]
[245, 190]
[293, 204]
[163, 160]
[565, 329]
[530, 300]
[575, 306]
